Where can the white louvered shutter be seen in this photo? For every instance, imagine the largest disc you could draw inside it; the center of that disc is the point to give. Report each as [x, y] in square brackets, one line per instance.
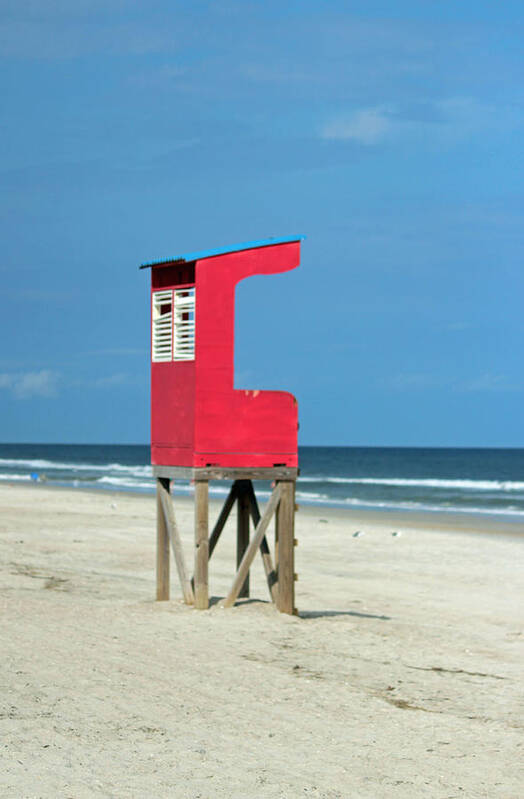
[184, 325]
[162, 326]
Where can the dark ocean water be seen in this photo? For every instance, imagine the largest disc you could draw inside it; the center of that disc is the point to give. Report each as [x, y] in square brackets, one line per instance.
[487, 481]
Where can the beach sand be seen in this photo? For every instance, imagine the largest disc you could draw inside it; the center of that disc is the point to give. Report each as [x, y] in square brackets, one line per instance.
[401, 677]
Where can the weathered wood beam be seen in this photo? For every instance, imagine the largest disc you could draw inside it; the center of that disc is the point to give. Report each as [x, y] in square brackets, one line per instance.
[254, 544]
[225, 473]
[174, 536]
[285, 531]
[162, 547]
[222, 518]
[201, 544]
[269, 569]
[220, 523]
[243, 516]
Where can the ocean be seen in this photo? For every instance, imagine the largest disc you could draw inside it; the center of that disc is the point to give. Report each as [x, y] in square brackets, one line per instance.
[477, 481]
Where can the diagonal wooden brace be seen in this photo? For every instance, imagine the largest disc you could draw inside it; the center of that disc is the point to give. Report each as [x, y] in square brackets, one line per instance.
[174, 537]
[222, 518]
[271, 575]
[254, 544]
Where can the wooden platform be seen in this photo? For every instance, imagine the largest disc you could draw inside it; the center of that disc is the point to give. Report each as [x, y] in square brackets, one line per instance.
[222, 473]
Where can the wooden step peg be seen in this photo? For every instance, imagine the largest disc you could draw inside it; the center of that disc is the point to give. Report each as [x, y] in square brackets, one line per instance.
[295, 542]
[297, 507]
[295, 577]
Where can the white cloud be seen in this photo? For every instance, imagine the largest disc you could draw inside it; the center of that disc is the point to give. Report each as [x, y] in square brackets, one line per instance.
[444, 121]
[31, 384]
[367, 126]
[489, 383]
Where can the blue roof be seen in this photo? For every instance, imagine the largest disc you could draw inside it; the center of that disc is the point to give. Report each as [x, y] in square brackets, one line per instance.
[247, 245]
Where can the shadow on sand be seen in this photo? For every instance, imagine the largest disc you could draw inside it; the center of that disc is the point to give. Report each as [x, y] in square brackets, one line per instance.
[304, 614]
[319, 614]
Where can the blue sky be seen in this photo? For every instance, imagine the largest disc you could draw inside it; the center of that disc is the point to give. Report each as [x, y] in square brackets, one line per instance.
[390, 134]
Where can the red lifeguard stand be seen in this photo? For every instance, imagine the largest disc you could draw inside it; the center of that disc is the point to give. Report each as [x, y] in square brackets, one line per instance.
[202, 428]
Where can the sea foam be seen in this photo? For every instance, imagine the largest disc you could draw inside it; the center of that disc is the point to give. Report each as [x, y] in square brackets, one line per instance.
[469, 485]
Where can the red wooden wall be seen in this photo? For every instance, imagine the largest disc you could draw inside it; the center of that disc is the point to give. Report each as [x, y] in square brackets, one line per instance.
[197, 417]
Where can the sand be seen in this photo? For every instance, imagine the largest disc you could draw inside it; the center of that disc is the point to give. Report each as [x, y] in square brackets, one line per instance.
[402, 676]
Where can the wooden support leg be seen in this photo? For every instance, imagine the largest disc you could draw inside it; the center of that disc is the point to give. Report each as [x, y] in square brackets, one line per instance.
[220, 524]
[174, 536]
[162, 546]
[243, 508]
[201, 544]
[285, 532]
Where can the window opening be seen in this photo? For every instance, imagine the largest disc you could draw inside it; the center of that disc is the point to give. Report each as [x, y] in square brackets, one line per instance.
[162, 326]
[174, 325]
[184, 325]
